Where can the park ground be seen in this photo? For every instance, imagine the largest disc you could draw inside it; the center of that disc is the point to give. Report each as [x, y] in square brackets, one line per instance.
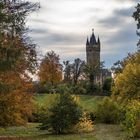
[31, 132]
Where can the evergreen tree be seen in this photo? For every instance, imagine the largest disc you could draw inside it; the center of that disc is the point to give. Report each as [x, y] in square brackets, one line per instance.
[63, 115]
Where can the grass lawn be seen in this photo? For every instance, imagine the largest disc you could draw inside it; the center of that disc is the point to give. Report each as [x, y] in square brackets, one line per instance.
[88, 102]
[30, 132]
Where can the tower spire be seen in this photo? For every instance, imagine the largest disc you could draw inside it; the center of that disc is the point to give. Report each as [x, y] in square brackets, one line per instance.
[87, 41]
[92, 38]
[98, 40]
[92, 30]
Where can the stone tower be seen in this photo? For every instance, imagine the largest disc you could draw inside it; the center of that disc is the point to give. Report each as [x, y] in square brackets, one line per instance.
[93, 50]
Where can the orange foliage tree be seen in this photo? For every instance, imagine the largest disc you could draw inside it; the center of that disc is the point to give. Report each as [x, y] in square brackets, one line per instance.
[50, 70]
[17, 60]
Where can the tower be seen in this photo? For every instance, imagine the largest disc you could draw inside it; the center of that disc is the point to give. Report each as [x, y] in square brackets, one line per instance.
[93, 50]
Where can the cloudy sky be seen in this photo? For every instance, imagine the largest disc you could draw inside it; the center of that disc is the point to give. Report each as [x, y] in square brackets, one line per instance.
[63, 26]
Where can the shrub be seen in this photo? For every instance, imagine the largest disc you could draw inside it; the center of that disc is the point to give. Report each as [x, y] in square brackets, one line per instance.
[77, 89]
[132, 117]
[62, 88]
[63, 115]
[107, 111]
[42, 88]
[107, 86]
[84, 125]
[92, 89]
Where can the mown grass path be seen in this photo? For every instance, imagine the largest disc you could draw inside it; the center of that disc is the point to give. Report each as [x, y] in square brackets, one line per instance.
[30, 132]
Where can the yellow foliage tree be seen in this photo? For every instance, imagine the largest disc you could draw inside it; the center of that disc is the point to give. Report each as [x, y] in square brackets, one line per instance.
[127, 84]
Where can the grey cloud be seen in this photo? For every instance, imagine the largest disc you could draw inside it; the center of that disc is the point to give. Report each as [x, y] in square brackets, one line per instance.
[124, 12]
[121, 50]
[125, 35]
[119, 44]
[117, 18]
[49, 37]
[38, 20]
[133, 1]
[38, 31]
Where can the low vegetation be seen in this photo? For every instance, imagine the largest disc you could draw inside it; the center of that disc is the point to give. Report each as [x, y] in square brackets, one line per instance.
[107, 111]
[131, 121]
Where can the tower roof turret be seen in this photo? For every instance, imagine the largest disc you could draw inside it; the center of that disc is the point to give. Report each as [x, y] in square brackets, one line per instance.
[98, 40]
[87, 41]
[92, 38]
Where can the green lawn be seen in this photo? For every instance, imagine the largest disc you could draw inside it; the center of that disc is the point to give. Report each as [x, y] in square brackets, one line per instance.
[30, 132]
[88, 102]
[45, 98]
[22, 131]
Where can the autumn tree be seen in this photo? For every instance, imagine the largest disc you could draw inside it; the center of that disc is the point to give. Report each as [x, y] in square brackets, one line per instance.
[126, 78]
[77, 70]
[126, 91]
[126, 83]
[17, 60]
[50, 69]
[126, 87]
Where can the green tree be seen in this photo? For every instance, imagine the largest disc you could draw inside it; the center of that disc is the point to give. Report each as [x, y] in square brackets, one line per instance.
[63, 115]
[107, 85]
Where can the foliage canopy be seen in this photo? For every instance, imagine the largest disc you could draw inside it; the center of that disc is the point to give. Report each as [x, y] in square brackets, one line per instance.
[50, 70]
[17, 60]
